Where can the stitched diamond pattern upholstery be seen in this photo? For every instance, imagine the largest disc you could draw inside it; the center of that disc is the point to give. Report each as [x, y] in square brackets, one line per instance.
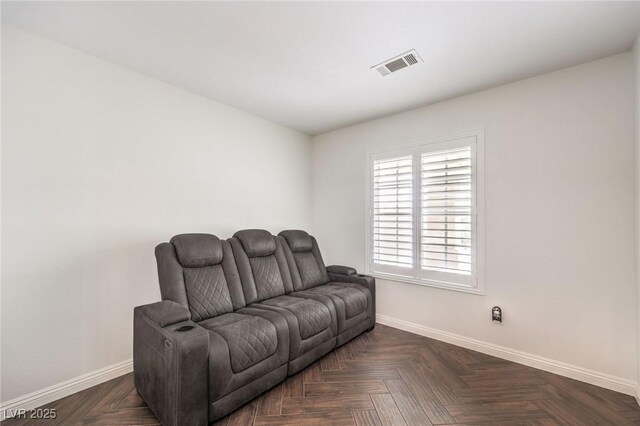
[207, 292]
[237, 317]
[309, 270]
[313, 316]
[250, 339]
[355, 301]
[266, 274]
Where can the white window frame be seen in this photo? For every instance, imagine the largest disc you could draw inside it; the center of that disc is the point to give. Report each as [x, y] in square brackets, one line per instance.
[473, 283]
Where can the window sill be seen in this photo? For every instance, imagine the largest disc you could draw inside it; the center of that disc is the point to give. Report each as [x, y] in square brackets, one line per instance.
[428, 283]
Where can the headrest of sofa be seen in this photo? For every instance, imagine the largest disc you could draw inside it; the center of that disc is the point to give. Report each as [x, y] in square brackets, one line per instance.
[299, 241]
[197, 250]
[256, 242]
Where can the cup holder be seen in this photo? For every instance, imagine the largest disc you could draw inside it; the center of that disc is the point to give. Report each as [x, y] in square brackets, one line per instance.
[184, 328]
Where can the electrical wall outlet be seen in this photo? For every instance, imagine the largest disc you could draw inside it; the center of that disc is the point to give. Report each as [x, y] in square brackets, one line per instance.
[496, 314]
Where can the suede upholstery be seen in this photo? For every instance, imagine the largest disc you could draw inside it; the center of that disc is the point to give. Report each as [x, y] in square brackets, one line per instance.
[354, 302]
[266, 279]
[201, 287]
[197, 250]
[298, 241]
[256, 242]
[223, 378]
[168, 366]
[304, 259]
[237, 316]
[341, 270]
[366, 281]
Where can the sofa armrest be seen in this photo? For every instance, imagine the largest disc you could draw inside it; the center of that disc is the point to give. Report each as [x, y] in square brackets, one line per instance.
[166, 313]
[170, 363]
[341, 270]
[346, 274]
[365, 280]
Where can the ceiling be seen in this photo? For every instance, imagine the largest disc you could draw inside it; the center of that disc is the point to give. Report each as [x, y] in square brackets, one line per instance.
[306, 64]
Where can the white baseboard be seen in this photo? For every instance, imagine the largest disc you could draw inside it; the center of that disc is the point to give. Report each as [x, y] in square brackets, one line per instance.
[618, 384]
[607, 381]
[66, 388]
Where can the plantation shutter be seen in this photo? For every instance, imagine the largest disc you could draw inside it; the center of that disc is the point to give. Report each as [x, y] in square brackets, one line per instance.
[392, 214]
[446, 211]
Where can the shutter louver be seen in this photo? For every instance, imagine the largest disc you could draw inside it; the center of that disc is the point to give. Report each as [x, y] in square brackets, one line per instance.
[392, 212]
[446, 211]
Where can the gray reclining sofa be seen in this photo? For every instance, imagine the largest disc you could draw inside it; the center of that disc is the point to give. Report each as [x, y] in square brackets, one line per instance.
[237, 317]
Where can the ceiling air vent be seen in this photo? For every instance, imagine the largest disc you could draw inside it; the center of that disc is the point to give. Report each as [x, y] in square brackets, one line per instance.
[399, 62]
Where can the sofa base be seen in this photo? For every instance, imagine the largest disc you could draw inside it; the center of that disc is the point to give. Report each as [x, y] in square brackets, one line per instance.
[355, 331]
[246, 393]
[314, 354]
[241, 396]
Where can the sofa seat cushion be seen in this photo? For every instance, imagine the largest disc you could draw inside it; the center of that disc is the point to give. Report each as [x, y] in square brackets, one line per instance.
[250, 339]
[355, 299]
[313, 317]
[312, 324]
[241, 349]
[353, 303]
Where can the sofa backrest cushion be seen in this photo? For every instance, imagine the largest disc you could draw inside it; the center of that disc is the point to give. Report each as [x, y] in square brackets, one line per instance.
[199, 272]
[305, 261]
[256, 242]
[262, 266]
[197, 250]
[298, 241]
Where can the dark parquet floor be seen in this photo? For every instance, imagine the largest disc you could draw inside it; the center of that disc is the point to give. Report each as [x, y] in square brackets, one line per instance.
[386, 377]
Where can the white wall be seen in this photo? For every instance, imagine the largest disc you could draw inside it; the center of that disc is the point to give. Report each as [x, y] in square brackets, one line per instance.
[636, 53]
[560, 218]
[100, 164]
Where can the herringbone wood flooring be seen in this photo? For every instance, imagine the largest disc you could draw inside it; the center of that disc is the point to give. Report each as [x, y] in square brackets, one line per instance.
[387, 377]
